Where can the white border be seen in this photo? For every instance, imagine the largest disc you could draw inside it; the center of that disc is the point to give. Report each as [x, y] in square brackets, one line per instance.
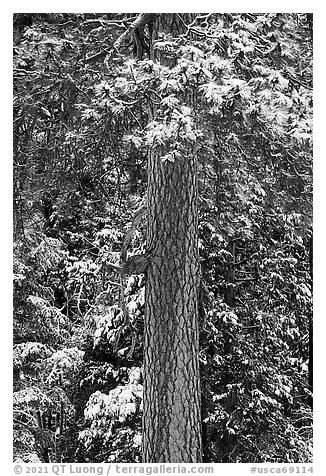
[319, 189]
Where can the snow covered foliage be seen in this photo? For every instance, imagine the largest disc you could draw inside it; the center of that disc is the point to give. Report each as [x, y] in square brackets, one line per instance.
[236, 91]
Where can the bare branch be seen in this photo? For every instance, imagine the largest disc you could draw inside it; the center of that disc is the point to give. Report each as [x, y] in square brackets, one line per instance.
[142, 19]
[139, 213]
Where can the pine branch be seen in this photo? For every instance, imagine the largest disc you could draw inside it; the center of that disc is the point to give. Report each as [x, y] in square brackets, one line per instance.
[136, 264]
[139, 213]
[142, 19]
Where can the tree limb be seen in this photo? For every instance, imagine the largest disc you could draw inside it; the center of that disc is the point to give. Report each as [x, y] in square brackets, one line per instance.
[140, 212]
[142, 19]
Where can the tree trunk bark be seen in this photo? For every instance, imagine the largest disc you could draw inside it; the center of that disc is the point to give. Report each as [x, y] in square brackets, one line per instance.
[171, 421]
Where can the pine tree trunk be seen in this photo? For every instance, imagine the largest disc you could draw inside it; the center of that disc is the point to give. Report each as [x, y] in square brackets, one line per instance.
[171, 422]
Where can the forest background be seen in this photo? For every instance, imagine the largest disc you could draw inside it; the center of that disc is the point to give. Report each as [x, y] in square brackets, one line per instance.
[231, 319]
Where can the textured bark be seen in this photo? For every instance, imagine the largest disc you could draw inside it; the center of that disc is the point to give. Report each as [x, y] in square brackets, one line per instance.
[171, 424]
